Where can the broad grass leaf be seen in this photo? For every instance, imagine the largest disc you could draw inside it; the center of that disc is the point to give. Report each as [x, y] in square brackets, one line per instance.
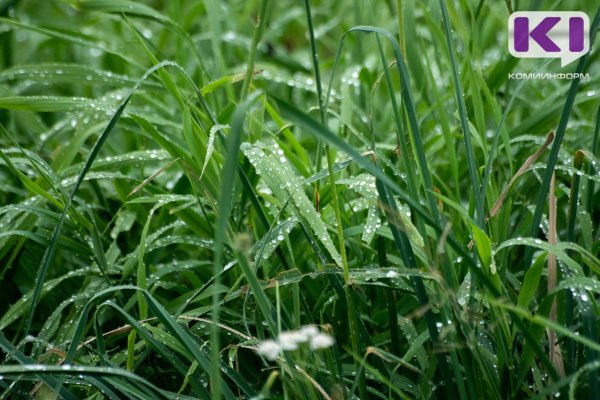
[273, 167]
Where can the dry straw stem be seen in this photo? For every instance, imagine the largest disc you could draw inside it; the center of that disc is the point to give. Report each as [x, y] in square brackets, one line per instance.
[554, 349]
[533, 158]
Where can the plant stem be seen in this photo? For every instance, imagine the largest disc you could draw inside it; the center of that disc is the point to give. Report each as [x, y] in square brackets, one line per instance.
[258, 33]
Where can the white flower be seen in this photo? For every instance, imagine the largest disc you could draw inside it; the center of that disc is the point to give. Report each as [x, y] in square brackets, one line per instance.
[270, 349]
[309, 331]
[321, 341]
[290, 340]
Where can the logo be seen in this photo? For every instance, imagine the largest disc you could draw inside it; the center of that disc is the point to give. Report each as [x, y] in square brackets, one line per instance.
[541, 34]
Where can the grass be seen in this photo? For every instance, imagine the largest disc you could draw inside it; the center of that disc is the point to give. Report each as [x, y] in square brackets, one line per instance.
[184, 182]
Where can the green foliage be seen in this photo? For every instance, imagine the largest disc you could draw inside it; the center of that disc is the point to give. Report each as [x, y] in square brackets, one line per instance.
[185, 183]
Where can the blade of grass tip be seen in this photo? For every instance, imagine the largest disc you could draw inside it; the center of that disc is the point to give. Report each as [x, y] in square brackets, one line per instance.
[225, 203]
[595, 150]
[554, 349]
[560, 133]
[401, 35]
[462, 111]
[258, 33]
[152, 177]
[317, 73]
[53, 243]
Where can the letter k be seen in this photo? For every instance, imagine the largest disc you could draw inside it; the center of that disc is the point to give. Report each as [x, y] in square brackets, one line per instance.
[539, 34]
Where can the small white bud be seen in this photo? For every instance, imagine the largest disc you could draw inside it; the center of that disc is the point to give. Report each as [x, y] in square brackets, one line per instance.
[269, 349]
[321, 341]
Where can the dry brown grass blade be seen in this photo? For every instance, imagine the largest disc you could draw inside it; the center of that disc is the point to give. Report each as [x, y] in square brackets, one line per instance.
[555, 354]
[151, 178]
[314, 383]
[533, 158]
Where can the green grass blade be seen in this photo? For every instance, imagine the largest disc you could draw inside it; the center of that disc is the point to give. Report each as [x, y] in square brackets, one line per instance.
[462, 111]
[225, 204]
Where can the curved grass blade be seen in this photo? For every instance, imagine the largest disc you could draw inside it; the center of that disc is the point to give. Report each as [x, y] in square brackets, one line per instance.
[171, 324]
[144, 387]
[313, 127]
[68, 73]
[279, 176]
[51, 103]
[152, 342]
[51, 249]
[12, 352]
[407, 102]
[73, 38]
[462, 112]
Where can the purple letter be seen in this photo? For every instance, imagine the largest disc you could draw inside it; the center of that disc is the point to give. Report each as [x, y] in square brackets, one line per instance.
[576, 34]
[540, 32]
[521, 34]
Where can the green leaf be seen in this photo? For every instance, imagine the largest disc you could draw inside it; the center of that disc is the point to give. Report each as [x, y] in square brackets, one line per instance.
[273, 167]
